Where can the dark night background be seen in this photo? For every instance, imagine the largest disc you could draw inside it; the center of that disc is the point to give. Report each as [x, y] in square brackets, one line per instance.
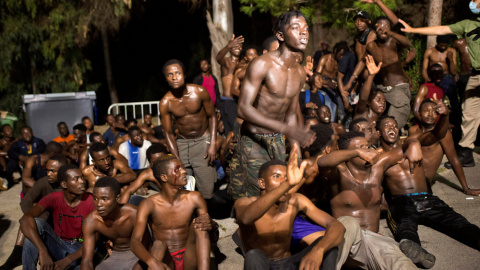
[157, 32]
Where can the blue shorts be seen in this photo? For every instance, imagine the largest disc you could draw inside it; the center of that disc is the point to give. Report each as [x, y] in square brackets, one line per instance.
[302, 228]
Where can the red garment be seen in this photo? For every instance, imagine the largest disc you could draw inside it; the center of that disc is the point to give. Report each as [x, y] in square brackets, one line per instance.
[177, 257]
[433, 89]
[209, 84]
[67, 221]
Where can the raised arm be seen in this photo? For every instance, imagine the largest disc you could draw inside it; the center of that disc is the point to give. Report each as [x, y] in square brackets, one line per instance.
[367, 86]
[126, 175]
[385, 10]
[336, 158]
[419, 98]
[441, 128]
[27, 178]
[431, 30]
[321, 64]
[167, 128]
[234, 42]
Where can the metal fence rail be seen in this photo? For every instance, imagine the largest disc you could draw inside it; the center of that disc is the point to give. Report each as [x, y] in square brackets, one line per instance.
[132, 109]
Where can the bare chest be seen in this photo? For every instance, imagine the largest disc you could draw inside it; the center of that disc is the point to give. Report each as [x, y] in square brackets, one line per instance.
[185, 106]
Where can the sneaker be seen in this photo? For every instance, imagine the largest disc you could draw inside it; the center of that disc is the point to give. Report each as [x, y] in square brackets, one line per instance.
[465, 155]
[3, 184]
[419, 256]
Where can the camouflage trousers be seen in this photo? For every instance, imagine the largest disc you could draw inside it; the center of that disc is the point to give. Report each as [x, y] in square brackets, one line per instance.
[251, 151]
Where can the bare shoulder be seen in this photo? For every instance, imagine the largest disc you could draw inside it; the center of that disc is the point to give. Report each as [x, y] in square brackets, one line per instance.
[88, 169]
[413, 130]
[245, 201]
[130, 210]
[166, 98]
[193, 195]
[197, 89]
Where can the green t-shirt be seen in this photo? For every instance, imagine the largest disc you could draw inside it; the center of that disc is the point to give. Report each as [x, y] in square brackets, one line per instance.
[461, 29]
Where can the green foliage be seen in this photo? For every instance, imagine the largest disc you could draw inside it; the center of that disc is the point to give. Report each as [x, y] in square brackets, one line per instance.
[39, 53]
[414, 69]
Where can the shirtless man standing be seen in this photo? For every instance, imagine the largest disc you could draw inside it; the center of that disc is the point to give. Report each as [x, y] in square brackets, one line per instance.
[175, 237]
[268, 104]
[465, 64]
[112, 220]
[391, 79]
[239, 74]
[433, 154]
[191, 107]
[265, 221]
[103, 165]
[229, 64]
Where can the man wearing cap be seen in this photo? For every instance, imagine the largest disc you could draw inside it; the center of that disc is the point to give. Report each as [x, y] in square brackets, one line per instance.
[365, 34]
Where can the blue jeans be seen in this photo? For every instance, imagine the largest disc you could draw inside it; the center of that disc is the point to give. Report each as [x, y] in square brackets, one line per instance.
[57, 248]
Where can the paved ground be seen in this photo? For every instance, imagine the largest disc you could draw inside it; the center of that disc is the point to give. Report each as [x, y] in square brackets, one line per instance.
[450, 253]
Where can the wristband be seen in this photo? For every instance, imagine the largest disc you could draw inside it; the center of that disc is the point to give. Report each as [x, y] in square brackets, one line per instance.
[465, 191]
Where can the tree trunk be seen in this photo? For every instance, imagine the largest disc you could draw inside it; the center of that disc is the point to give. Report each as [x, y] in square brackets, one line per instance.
[108, 67]
[221, 30]
[434, 19]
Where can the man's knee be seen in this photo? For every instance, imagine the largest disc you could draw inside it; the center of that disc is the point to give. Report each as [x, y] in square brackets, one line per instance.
[351, 225]
[256, 259]
[41, 225]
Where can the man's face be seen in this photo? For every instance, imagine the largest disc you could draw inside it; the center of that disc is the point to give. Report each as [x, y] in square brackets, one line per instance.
[63, 130]
[296, 34]
[26, 134]
[436, 75]
[111, 120]
[339, 54]
[311, 112]
[428, 114]
[120, 119]
[147, 119]
[7, 131]
[75, 183]
[87, 123]
[324, 47]
[136, 138]
[204, 66]
[79, 135]
[367, 129]
[236, 50]
[274, 176]
[357, 143]
[105, 200]
[361, 24]
[174, 76]
[52, 171]
[382, 27]
[102, 160]
[389, 130]
[177, 174]
[98, 139]
[250, 54]
[324, 114]
[378, 104]
[441, 47]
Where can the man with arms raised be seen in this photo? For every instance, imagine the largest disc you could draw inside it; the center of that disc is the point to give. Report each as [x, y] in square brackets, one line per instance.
[268, 104]
[266, 221]
[171, 212]
[112, 220]
[103, 165]
[192, 109]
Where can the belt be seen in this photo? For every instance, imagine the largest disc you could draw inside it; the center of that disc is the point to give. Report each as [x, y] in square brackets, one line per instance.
[416, 194]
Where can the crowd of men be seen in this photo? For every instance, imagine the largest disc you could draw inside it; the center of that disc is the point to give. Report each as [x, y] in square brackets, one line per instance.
[305, 157]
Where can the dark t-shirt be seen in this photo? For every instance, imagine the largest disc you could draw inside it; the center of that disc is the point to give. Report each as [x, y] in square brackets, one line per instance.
[67, 221]
[314, 98]
[40, 189]
[346, 65]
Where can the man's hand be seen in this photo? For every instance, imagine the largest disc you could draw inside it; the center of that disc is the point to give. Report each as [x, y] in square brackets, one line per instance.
[311, 261]
[309, 66]
[311, 105]
[211, 153]
[472, 192]
[45, 261]
[204, 223]
[156, 265]
[369, 155]
[302, 135]
[410, 55]
[407, 28]
[414, 155]
[440, 108]
[476, 32]
[63, 263]
[294, 173]
[371, 66]
[235, 42]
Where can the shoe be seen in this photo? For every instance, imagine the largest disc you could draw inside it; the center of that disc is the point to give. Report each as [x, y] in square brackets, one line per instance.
[465, 155]
[3, 184]
[419, 256]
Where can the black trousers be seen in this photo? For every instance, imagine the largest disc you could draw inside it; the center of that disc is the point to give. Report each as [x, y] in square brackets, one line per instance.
[406, 212]
[257, 259]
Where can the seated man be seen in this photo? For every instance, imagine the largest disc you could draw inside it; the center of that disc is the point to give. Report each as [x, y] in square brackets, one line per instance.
[112, 132]
[35, 166]
[135, 150]
[429, 89]
[170, 213]
[20, 150]
[79, 143]
[103, 165]
[40, 189]
[324, 116]
[112, 220]
[362, 125]
[265, 221]
[5, 142]
[68, 208]
[86, 158]
[65, 135]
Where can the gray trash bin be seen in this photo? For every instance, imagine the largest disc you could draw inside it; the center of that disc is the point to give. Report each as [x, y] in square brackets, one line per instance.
[44, 111]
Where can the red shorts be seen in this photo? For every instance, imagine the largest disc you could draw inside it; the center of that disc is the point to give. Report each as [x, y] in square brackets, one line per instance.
[177, 257]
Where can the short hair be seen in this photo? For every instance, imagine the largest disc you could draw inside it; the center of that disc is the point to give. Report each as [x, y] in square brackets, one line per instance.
[4, 126]
[119, 115]
[134, 128]
[61, 159]
[425, 101]
[154, 149]
[443, 39]
[173, 62]
[62, 172]
[147, 114]
[342, 45]
[384, 18]
[383, 118]
[61, 123]
[354, 122]
[108, 181]
[85, 118]
[130, 120]
[93, 135]
[54, 147]
[25, 127]
[285, 19]
[249, 47]
[345, 139]
[80, 127]
[268, 42]
[373, 94]
[434, 66]
[263, 169]
[161, 166]
[97, 147]
[323, 134]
